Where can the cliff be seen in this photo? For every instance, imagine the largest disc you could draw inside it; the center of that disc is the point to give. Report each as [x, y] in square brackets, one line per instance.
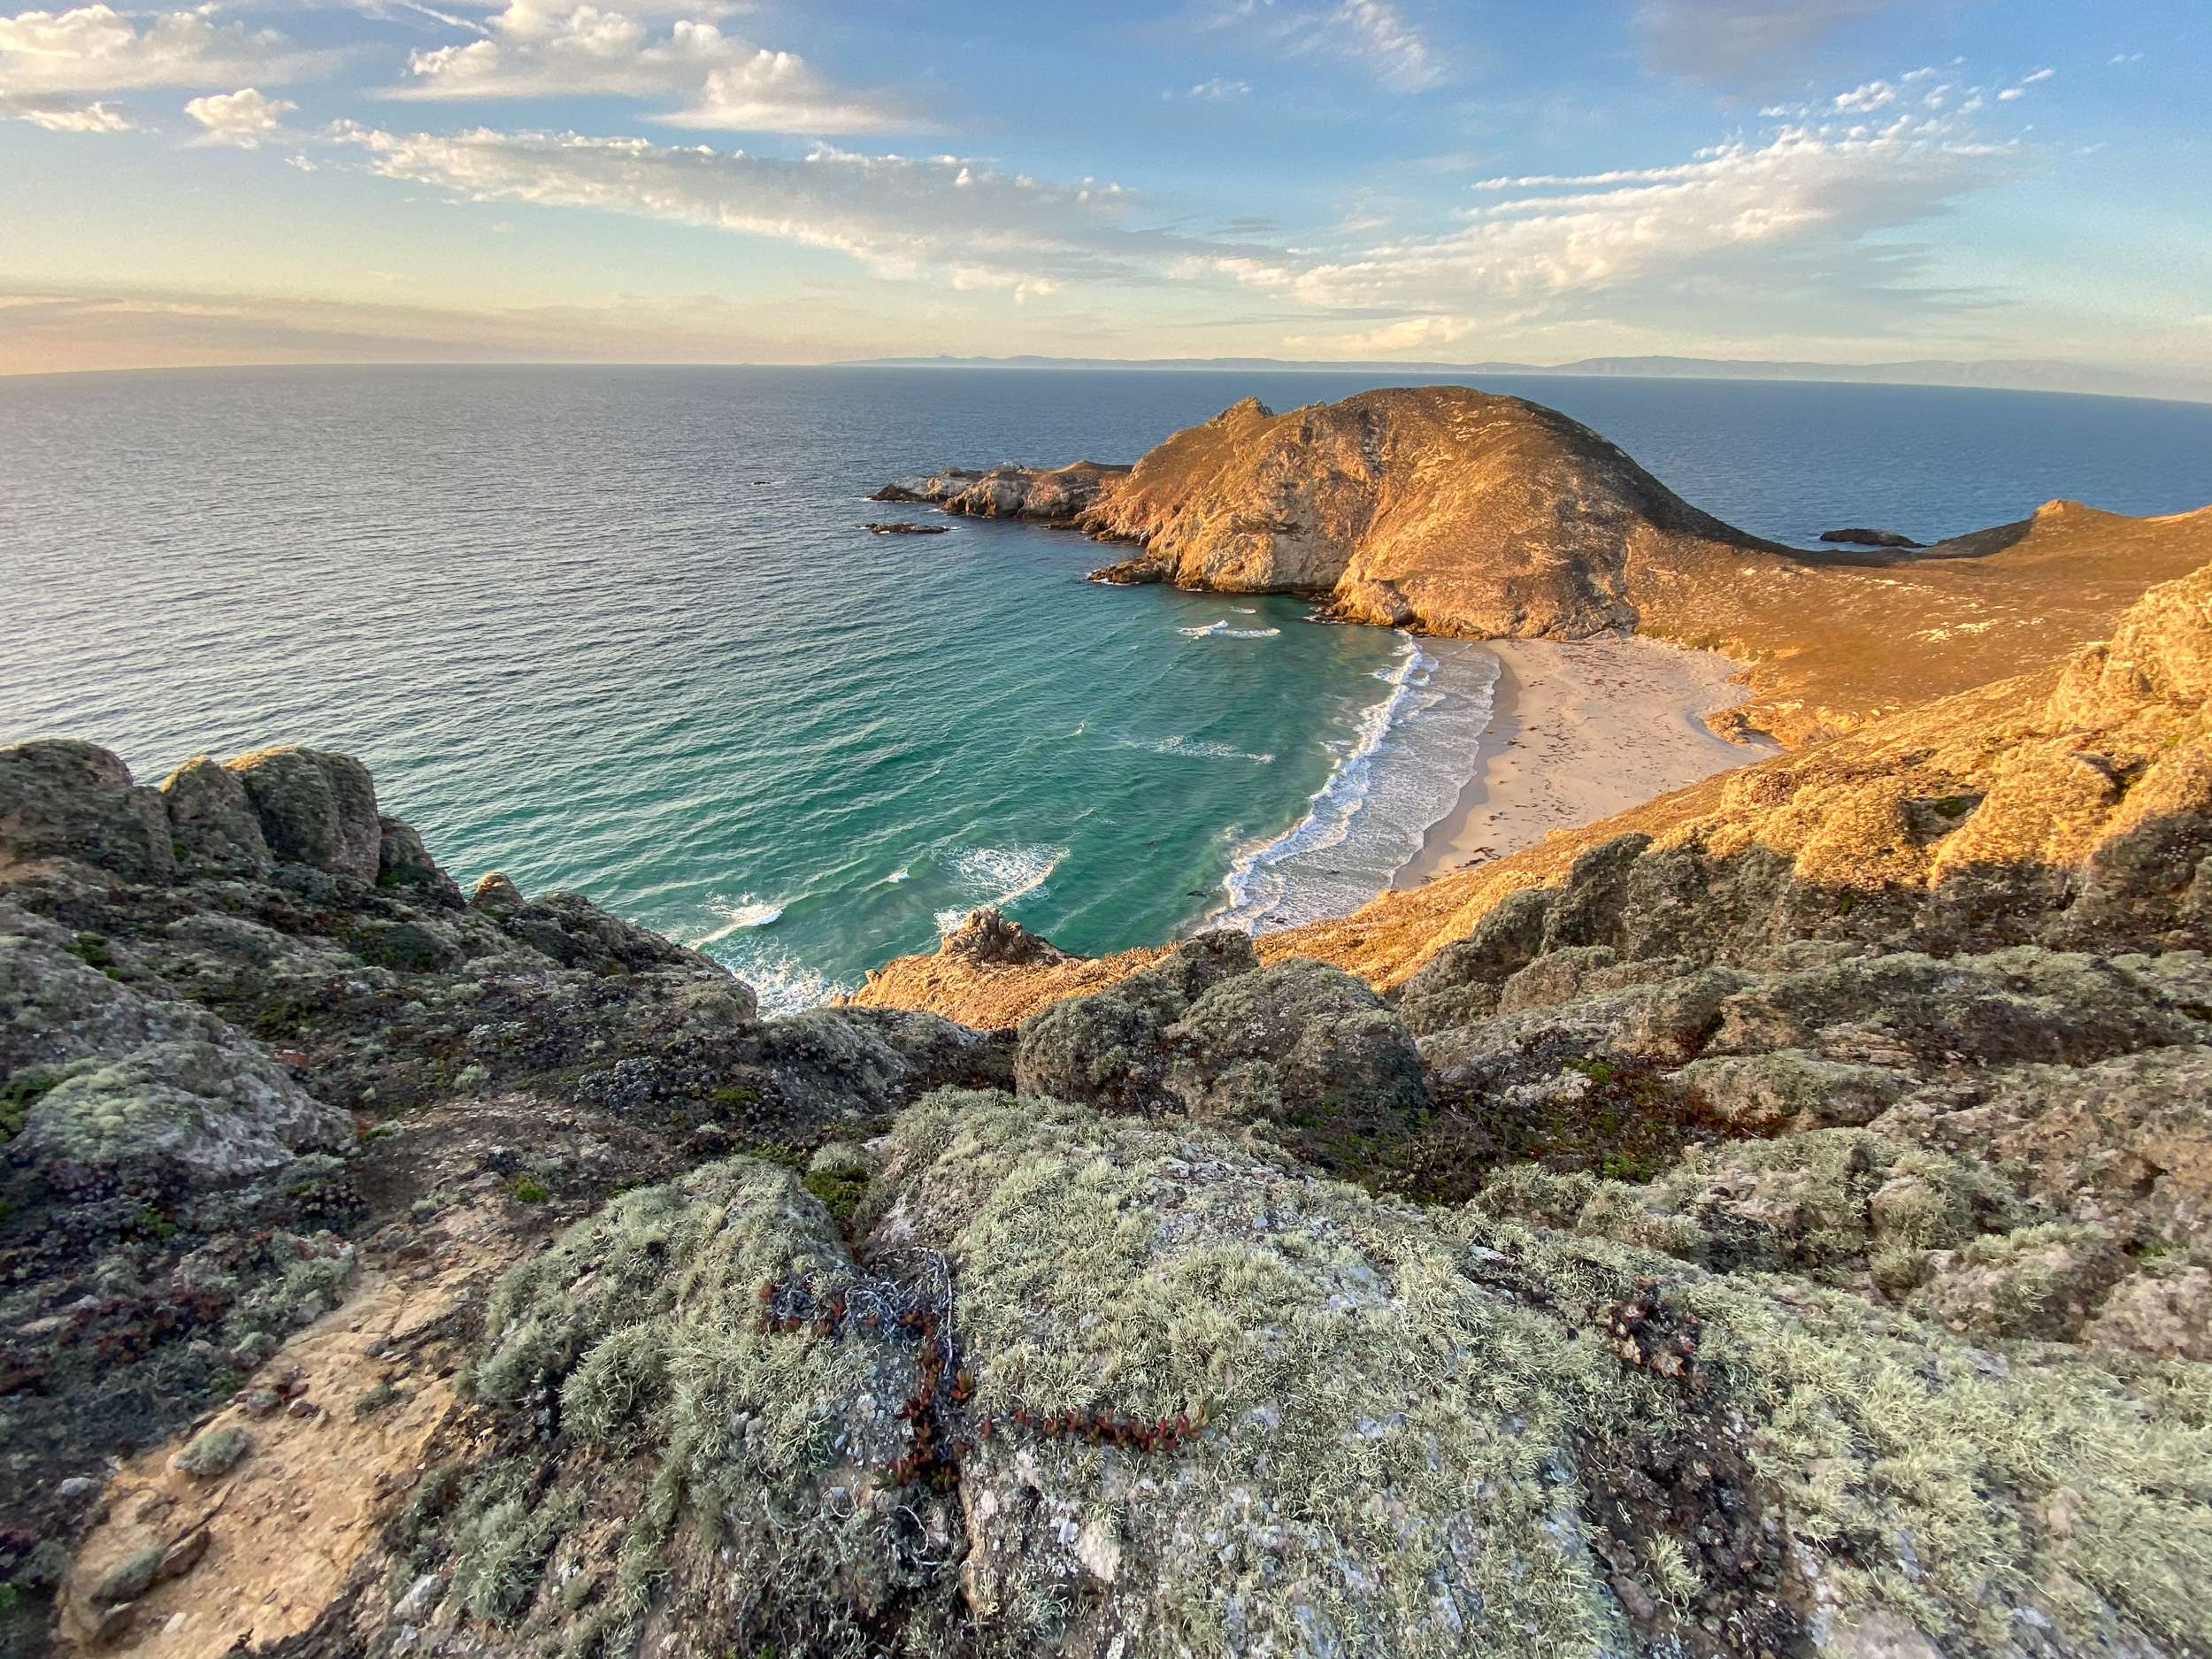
[1453, 511]
[1779, 1221]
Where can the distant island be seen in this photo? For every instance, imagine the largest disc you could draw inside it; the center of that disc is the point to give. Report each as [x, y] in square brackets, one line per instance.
[2023, 375]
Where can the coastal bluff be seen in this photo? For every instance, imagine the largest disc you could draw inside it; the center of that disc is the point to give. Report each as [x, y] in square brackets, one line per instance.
[1448, 511]
[1703, 1255]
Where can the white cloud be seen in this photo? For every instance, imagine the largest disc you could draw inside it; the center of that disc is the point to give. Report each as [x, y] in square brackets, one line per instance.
[1215, 90]
[1754, 43]
[243, 118]
[1372, 34]
[534, 50]
[61, 115]
[938, 218]
[97, 49]
[1793, 220]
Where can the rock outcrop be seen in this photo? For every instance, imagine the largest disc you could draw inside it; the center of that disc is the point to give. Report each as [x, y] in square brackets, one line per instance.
[1008, 491]
[1440, 508]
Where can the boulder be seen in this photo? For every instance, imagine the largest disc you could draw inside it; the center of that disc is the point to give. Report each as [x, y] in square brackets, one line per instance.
[1299, 1044]
[212, 821]
[402, 861]
[317, 808]
[171, 1114]
[62, 799]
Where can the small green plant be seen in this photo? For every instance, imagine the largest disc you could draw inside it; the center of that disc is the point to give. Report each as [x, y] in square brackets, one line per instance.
[91, 950]
[152, 1222]
[1599, 1072]
[531, 1191]
[736, 1097]
[841, 1194]
[19, 1094]
[376, 1399]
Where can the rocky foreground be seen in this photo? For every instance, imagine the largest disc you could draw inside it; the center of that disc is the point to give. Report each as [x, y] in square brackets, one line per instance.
[1784, 1232]
[1455, 511]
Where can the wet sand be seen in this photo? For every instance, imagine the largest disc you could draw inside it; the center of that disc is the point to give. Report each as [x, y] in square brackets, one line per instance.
[1579, 732]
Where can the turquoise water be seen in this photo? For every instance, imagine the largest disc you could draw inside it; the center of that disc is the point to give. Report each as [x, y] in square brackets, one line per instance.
[620, 630]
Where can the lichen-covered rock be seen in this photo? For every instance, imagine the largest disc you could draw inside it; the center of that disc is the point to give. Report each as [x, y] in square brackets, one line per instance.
[315, 807]
[62, 799]
[575, 933]
[402, 861]
[1092, 1386]
[2042, 1282]
[1108, 1050]
[171, 1112]
[2163, 1312]
[214, 1453]
[212, 821]
[1301, 1044]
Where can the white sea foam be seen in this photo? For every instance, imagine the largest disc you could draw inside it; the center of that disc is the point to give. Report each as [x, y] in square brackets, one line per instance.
[897, 876]
[997, 876]
[746, 912]
[1200, 748]
[783, 984]
[1222, 629]
[1409, 754]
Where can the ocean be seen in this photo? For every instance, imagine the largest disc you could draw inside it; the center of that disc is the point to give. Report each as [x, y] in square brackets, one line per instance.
[621, 630]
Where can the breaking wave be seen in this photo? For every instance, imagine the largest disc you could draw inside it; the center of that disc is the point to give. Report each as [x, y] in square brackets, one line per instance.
[1409, 754]
[746, 912]
[1222, 629]
[997, 876]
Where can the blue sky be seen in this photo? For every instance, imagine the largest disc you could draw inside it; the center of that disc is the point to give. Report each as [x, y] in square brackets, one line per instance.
[1359, 179]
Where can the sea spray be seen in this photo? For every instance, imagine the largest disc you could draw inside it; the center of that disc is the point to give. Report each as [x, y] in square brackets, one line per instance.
[1412, 751]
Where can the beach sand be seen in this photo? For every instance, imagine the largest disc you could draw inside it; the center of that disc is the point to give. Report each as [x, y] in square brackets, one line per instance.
[1581, 731]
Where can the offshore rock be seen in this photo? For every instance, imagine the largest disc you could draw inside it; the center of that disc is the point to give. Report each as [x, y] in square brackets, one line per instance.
[1008, 491]
[1870, 538]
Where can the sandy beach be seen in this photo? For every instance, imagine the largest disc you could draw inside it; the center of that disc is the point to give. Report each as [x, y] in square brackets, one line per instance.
[1581, 731]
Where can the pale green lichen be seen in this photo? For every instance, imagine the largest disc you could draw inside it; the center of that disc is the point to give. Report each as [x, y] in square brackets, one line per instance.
[1398, 1401]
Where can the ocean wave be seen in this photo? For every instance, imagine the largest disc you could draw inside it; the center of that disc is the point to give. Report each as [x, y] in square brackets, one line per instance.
[1409, 756]
[998, 876]
[1197, 749]
[783, 984]
[746, 912]
[1222, 629]
[897, 876]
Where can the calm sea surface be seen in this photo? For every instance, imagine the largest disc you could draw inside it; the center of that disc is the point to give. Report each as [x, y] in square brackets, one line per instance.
[620, 629]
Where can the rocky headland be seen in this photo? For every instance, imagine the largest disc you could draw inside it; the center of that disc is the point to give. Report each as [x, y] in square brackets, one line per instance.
[1772, 1222]
[1453, 511]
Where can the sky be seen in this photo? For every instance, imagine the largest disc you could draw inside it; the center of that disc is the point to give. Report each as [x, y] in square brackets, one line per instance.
[1836, 180]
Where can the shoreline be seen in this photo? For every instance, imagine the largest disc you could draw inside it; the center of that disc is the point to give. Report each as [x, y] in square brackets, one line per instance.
[1579, 731]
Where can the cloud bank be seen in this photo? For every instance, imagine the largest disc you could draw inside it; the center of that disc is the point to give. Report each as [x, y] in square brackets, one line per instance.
[535, 51]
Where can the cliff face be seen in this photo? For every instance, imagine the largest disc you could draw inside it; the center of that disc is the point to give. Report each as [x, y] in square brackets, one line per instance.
[1441, 508]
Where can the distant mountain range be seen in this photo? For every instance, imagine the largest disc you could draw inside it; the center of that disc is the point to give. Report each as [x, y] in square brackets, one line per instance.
[2034, 374]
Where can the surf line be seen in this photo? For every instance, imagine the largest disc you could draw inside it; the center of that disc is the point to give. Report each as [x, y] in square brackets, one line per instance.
[1255, 885]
